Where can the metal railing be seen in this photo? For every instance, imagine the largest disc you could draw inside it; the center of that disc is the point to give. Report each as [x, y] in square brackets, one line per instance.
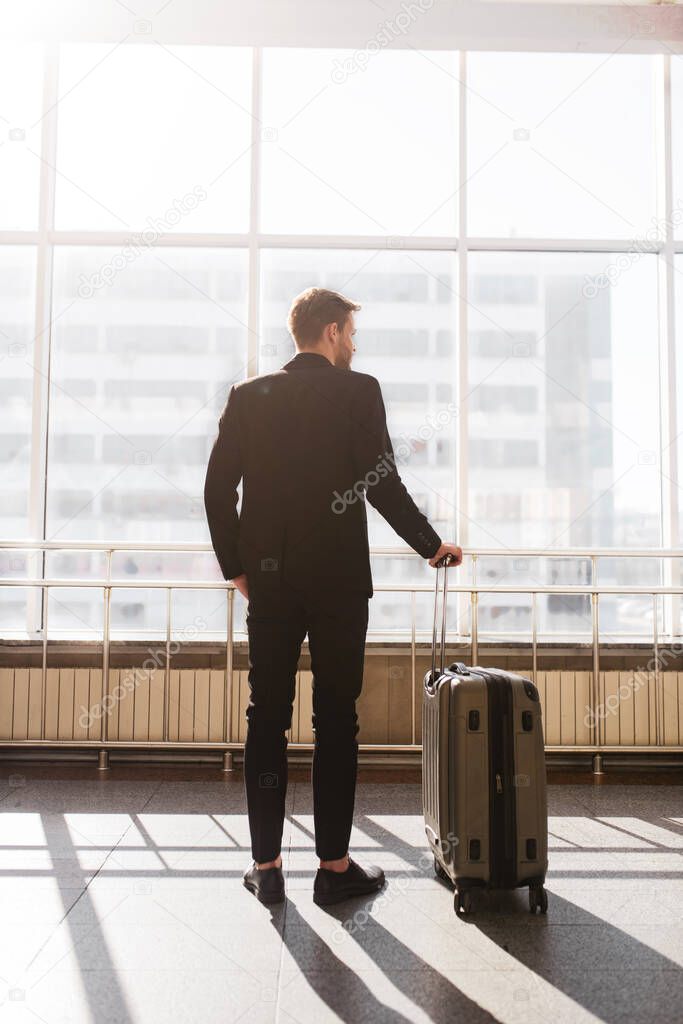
[471, 590]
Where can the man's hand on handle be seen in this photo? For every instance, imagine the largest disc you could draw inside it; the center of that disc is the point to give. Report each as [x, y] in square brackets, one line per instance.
[447, 549]
[240, 583]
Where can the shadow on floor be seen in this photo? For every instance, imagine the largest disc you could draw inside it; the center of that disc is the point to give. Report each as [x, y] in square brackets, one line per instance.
[346, 993]
[598, 965]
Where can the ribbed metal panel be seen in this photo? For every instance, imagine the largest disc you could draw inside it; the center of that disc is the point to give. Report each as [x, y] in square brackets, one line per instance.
[637, 710]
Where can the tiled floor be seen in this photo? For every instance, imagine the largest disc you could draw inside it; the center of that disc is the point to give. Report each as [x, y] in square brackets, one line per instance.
[121, 900]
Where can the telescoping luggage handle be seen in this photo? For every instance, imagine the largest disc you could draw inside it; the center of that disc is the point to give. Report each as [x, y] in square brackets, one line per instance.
[443, 563]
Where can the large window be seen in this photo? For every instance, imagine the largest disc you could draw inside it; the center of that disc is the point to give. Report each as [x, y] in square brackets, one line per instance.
[21, 87]
[153, 139]
[406, 338]
[359, 150]
[17, 281]
[140, 371]
[561, 145]
[563, 414]
[677, 121]
[507, 221]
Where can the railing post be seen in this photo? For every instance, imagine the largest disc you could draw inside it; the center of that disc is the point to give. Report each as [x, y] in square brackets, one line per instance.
[596, 718]
[104, 729]
[474, 615]
[413, 670]
[534, 638]
[43, 677]
[659, 702]
[474, 605]
[167, 671]
[227, 706]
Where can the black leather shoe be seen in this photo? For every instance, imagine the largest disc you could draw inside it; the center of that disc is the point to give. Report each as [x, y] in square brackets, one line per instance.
[267, 884]
[335, 886]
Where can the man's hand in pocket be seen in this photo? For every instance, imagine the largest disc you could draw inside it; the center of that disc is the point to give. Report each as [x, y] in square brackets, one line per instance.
[240, 583]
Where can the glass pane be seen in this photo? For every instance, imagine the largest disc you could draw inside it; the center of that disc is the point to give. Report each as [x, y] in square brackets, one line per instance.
[195, 614]
[510, 614]
[76, 612]
[678, 277]
[17, 287]
[140, 373]
[565, 615]
[21, 101]
[552, 149]
[563, 402]
[154, 138]
[359, 149]
[677, 120]
[629, 615]
[19, 609]
[406, 338]
[138, 612]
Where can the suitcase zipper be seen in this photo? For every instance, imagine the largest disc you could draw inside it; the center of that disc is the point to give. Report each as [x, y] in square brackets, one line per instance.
[502, 811]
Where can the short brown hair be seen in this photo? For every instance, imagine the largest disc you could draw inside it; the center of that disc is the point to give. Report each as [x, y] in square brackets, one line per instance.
[313, 310]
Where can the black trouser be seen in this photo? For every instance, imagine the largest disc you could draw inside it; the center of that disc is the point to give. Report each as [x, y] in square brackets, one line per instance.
[277, 624]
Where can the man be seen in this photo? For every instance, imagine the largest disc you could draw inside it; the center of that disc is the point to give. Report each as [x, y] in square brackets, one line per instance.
[309, 443]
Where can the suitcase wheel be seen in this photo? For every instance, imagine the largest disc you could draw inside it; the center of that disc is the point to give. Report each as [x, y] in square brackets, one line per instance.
[462, 901]
[538, 899]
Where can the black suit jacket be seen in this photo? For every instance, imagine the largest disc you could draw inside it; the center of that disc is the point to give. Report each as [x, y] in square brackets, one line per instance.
[309, 442]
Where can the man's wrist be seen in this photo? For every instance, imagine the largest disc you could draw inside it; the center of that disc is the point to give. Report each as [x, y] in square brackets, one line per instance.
[438, 547]
[429, 542]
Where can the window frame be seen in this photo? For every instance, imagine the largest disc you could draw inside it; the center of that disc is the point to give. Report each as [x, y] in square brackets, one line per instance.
[46, 238]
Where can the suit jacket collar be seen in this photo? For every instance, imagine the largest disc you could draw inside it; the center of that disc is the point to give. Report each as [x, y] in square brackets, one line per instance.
[307, 360]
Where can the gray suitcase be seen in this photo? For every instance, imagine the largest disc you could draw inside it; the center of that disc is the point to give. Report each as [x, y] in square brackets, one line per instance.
[483, 777]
